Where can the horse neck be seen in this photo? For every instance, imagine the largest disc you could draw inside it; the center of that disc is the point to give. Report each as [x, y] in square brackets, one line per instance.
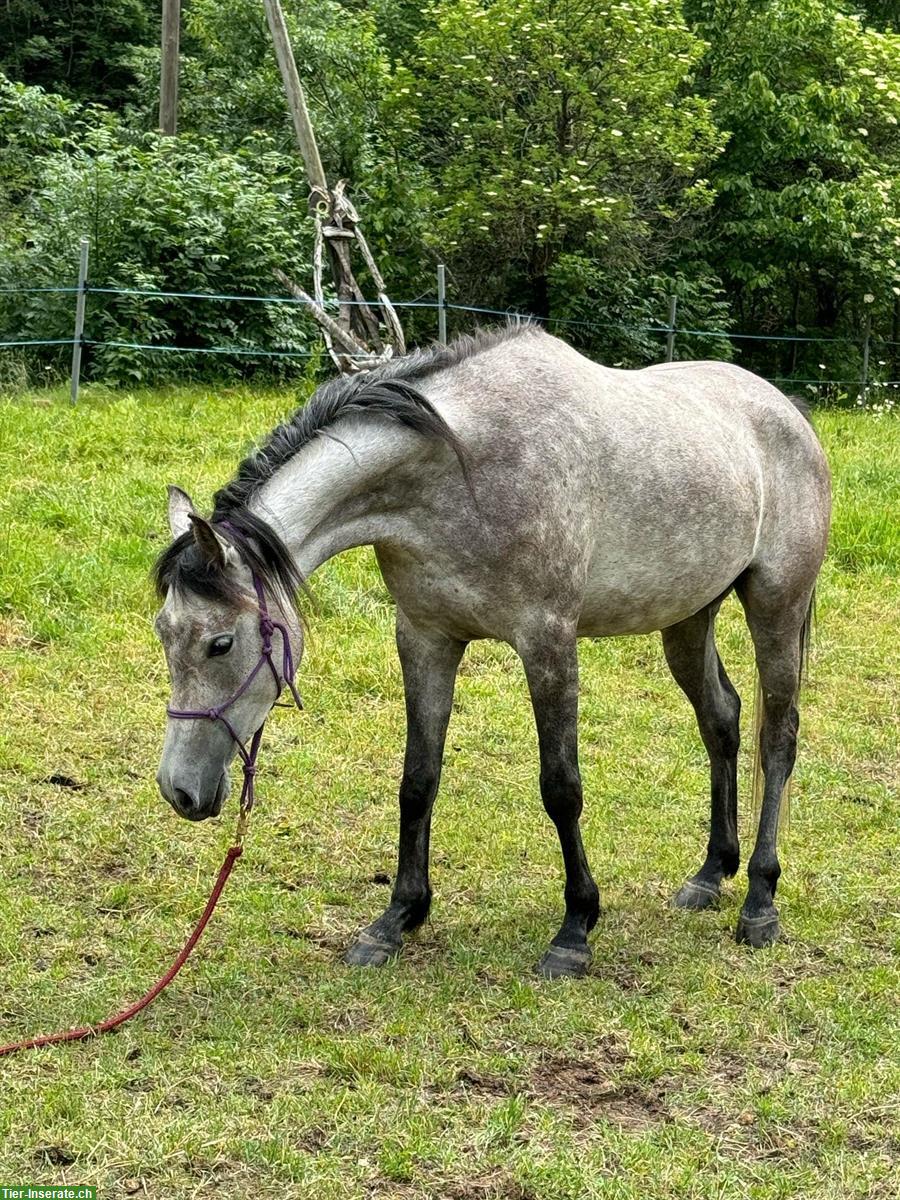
[339, 490]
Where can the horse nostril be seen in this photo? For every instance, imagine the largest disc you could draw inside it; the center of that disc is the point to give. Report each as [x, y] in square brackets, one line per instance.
[184, 801]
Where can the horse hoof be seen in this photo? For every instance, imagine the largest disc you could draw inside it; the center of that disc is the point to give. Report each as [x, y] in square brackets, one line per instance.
[568, 961]
[695, 896]
[760, 931]
[369, 951]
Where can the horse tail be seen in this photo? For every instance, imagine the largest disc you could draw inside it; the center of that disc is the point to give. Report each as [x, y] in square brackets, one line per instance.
[759, 782]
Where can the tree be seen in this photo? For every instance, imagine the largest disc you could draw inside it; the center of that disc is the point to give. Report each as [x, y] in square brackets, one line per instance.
[166, 214]
[807, 221]
[882, 14]
[537, 132]
[82, 49]
[230, 88]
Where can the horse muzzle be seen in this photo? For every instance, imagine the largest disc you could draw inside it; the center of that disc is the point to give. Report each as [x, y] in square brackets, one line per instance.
[192, 802]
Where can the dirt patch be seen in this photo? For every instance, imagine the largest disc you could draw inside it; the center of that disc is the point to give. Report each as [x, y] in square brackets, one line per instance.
[493, 1186]
[595, 1093]
[484, 1085]
[349, 1020]
[34, 820]
[391, 1189]
[219, 1176]
[115, 868]
[16, 635]
[64, 781]
[55, 1156]
[313, 1141]
[257, 1088]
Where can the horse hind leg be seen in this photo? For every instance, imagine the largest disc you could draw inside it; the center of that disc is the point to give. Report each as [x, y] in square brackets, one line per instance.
[780, 633]
[690, 650]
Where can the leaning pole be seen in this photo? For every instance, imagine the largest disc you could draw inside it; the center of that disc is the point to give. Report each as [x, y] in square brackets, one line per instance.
[363, 334]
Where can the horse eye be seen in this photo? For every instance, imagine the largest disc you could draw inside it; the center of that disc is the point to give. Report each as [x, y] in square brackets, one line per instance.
[220, 645]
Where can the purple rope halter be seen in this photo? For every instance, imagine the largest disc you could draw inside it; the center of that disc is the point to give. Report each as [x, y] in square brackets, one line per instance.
[248, 756]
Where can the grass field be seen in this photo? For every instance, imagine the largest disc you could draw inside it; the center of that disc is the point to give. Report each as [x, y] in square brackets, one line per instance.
[684, 1066]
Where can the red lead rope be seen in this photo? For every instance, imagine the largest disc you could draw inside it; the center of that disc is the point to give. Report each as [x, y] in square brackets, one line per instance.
[248, 758]
[89, 1031]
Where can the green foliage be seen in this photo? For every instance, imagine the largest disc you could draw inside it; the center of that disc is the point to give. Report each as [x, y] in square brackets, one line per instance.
[628, 320]
[808, 190]
[163, 214]
[81, 48]
[882, 14]
[231, 88]
[398, 22]
[531, 140]
[574, 158]
[32, 123]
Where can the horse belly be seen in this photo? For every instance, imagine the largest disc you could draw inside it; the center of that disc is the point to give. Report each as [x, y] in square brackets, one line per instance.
[660, 563]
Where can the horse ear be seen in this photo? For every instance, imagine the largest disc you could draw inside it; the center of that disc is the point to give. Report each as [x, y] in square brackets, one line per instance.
[214, 549]
[181, 509]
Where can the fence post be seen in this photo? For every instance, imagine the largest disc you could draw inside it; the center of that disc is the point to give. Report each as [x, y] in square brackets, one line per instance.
[79, 319]
[670, 336]
[168, 70]
[442, 303]
[864, 382]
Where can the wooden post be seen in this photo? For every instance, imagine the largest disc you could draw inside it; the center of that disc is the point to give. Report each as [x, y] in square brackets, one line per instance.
[337, 224]
[168, 73]
[78, 341]
[670, 336]
[306, 139]
[442, 303]
[864, 381]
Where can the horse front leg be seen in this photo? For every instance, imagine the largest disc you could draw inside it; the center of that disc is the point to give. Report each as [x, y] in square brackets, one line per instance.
[429, 663]
[551, 667]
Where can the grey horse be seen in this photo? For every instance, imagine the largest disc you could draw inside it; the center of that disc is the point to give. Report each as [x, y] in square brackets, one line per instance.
[513, 489]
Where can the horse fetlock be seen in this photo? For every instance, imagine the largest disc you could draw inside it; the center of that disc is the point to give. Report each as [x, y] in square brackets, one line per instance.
[729, 861]
[763, 873]
[414, 908]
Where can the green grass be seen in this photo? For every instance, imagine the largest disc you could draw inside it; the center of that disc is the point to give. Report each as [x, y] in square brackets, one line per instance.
[685, 1066]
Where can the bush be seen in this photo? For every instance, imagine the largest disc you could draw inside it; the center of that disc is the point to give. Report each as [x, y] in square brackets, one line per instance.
[169, 215]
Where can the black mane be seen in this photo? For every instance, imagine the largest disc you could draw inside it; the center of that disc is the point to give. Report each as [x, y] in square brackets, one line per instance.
[182, 565]
[388, 391]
